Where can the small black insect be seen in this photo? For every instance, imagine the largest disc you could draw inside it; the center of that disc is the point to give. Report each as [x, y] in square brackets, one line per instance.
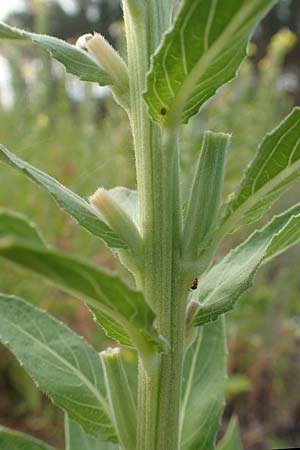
[163, 111]
[194, 285]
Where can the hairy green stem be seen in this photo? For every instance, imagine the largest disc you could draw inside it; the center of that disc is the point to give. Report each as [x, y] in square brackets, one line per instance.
[157, 165]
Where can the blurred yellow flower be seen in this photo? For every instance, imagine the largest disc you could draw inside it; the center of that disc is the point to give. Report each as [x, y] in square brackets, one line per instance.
[284, 40]
[42, 120]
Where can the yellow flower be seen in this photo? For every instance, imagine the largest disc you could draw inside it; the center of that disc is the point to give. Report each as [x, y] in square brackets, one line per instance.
[284, 40]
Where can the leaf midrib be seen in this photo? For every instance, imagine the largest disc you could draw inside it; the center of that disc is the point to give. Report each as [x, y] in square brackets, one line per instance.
[233, 219]
[262, 249]
[36, 38]
[83, 378]
[205, 60]
[94, 302]
[108, 308]
[273, 151]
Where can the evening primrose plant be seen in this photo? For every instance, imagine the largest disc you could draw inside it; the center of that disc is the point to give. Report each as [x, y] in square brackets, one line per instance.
[179, 54]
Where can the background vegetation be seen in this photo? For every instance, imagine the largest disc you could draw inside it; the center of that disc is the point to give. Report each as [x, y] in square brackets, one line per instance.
[78, 135]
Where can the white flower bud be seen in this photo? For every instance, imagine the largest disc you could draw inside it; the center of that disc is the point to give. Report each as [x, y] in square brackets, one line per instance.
[82, 41]
[108, 58]
[117, 219]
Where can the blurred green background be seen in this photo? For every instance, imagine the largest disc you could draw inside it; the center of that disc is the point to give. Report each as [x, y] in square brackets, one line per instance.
[75, 132]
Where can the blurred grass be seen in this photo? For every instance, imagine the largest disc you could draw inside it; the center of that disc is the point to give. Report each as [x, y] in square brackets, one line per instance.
[85, 142]
[74, 142]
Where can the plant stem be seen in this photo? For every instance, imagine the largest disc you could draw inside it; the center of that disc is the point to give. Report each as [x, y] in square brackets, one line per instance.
[157, 165]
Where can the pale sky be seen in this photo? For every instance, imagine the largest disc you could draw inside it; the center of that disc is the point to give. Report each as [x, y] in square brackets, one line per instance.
[9, 5]
[6, 92]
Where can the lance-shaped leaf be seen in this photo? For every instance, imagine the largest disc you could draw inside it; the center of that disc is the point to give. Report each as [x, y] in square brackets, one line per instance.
[13, 440]
[200, 54]
[203, 389]
[77, 439]
[231, 440]
[73, 204]
[16, 226]
[102, 291]
[275, 166]
[75, 60]
[206, 192]
[221, 287]
[61, 363]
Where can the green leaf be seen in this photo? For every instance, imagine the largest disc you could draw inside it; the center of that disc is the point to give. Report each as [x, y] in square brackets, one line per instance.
[222, 286]
[200, 54]
[13, 440]
[275, 166]
[102, 291]
[231, 440]
[286, 238]
[204, 387]
[205, 195]
[112, 328]
[14, 225]
[75, 60]
[78, 439]
[62, 364]
[77, 207]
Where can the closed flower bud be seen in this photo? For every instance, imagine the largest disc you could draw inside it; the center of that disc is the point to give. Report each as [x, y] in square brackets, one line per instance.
[110, 61]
